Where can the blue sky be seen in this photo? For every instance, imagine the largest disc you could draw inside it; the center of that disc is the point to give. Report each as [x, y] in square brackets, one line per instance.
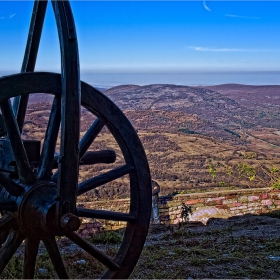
[160, 36]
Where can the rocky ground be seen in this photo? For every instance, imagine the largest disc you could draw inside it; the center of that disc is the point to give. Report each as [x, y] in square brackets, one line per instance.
[240, 247]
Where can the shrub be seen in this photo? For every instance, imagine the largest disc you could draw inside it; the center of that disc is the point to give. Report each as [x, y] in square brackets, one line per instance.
[106, 237]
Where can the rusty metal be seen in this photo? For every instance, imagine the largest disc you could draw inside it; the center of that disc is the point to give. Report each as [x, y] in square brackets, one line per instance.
[38, 203]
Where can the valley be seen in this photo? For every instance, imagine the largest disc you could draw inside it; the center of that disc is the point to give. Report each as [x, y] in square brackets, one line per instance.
[196, 138]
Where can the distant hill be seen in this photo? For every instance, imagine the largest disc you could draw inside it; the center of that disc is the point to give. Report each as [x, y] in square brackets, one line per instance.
[185, 131]
[47, 98]
[230, 106]
[266, 95]
[223, 111]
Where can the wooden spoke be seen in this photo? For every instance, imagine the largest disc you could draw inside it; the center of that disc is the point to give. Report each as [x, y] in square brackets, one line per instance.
[7, 204]
[55, 176]
[12, 187]
[30, 254]
[106, 215]
[86, 141]
[24, 170]
[7, 222]
[45, 165]
[104, 178]
[72, 153]
[89, 248]
[104, 156]
[3, 129]
[9, 248]
[30, 56]
[55, 257]
[90, 135]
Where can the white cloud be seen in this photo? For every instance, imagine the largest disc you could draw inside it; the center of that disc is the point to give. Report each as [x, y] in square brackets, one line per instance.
[205, 6]
[207, 49]
[7, 17]
[237, 16]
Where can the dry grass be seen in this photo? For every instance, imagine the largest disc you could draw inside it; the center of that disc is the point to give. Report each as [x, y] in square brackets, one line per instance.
[234, 248]
[179, 161]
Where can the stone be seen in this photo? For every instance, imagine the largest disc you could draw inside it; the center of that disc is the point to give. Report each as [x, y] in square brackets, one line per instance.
[231, 196]
[253, 204]
[274, 258]
[222, 207]
[266, 202]
[206, 213]
[253, 198]
[243, 198]
[242, 207]
[85, 231]
[229, 201]
[214, 202]
[82, 262]
[193, 201]
[215, 198]
[43, 271]
[82, 226]
[264, 196]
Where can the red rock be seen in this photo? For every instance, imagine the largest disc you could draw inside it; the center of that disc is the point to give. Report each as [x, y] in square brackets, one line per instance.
[230, 196]
[193, 201]
[264, 196]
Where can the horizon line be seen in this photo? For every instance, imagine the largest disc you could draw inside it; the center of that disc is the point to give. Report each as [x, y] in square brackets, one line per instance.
[155, 71]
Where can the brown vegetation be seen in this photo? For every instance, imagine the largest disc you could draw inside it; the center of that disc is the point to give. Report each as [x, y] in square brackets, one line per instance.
[185, 131]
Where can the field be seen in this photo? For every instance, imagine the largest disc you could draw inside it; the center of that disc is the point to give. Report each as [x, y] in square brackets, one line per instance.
[196, 140]
[187, 151]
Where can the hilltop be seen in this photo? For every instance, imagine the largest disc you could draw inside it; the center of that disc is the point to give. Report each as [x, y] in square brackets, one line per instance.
[232, 106]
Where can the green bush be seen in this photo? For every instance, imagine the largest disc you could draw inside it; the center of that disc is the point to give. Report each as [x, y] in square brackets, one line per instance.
[106, 237]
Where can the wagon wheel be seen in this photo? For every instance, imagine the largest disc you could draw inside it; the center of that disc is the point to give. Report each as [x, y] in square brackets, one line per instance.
[28, 202]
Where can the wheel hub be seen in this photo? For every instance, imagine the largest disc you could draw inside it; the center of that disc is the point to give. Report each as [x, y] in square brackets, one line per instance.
[36, 212]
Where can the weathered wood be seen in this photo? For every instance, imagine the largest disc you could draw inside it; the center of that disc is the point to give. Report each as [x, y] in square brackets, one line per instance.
[105, 156]
[13, 85]
[46, 163]
[38, 198]
[93, 251]
[7, 222]
[136, 164]
[12, 187]
[9, 248]
[30, 254]
[24, 170]
[102, 179]
[30, 56]
[55, 257]
[7, 204]
[106, 215]
[90, 135]
[70, 109]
